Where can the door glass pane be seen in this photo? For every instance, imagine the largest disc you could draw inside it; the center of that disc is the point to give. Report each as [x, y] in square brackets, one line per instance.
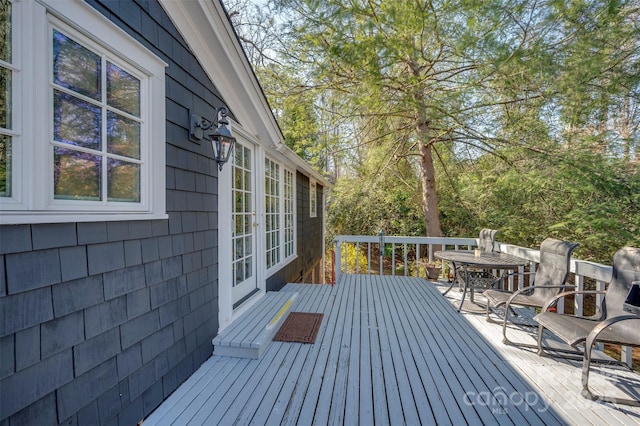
[237, 173]
[247, 181]
[123, 136]
[5, 30]
[239, 273]
[76, 175]
[247, 202]
[5, 166]
[76, 67]
[247, 267]
[123, 90]
[246, 157]
[76, 122]
[5, 98]
[247, 223]
[247, 245]
[237, 155]
[123, 181]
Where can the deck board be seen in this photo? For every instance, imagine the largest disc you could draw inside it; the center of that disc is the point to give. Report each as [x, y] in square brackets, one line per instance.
[392, 350]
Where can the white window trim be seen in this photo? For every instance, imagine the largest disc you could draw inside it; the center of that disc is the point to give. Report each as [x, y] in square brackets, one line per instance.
[313, 198]
[32, 196]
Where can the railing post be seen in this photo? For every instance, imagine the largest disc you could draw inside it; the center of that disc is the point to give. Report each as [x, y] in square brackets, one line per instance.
[381, 248]
[333, 267]
[337, 266]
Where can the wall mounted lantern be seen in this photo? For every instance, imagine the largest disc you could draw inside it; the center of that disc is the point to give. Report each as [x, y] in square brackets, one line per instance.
[221, 139]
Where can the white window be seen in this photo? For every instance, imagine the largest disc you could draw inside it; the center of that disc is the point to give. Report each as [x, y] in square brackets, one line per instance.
[9, 57]
[88, 141]
[280, 217]
[289, 213]
[272, 211]
[313, 202]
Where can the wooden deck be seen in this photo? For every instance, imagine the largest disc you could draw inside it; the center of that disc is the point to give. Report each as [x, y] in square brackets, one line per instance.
[393, 350]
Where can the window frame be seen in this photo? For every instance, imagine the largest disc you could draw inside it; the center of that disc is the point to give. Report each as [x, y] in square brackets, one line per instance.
[313, 198]
[32, 199]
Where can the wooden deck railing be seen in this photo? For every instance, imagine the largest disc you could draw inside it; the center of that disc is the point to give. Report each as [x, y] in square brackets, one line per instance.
[402, 255]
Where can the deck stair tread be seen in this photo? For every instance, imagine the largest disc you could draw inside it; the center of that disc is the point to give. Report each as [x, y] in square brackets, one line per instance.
[252, 332]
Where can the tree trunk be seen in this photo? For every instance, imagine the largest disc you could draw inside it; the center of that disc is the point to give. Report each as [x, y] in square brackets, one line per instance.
[429, 195]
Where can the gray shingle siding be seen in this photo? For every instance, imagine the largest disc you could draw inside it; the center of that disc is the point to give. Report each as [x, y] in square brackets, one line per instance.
[100, 321]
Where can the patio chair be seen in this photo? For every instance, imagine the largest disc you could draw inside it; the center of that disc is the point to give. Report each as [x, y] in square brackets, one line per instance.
[549, 280]
[487, 240]
[611, 325]
[479, 279]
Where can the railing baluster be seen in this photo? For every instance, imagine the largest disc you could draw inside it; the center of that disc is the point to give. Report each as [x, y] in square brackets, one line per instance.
[578, 301]
[406, 256]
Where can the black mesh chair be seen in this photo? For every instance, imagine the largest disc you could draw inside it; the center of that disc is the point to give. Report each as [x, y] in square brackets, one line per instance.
[613, 325]
[549, 280]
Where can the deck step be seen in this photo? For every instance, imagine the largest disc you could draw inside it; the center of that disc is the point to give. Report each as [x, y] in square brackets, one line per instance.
[250, 335]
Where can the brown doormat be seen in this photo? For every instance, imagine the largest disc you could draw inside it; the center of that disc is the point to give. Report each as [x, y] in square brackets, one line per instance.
[299, 327]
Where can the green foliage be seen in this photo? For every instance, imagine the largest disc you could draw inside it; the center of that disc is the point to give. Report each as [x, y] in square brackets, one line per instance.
[531, 116]
[354, 257]
[576, 195]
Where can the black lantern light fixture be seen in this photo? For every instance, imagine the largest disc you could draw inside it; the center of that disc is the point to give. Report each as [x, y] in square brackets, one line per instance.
[220, 137]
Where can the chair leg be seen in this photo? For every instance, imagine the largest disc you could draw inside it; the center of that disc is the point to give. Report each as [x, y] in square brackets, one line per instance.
[586, 392]
[541, 351]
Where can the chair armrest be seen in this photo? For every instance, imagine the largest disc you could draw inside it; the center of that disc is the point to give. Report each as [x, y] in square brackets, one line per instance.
[532, 287]
[569, 293]
[603, 325]
[529, 288]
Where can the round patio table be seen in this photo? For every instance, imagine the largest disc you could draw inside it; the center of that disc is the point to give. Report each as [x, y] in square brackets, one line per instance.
[486, 260]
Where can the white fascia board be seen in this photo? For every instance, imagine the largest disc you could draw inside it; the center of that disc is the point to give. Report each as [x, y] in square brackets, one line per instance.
[205, 27]
[303, 166]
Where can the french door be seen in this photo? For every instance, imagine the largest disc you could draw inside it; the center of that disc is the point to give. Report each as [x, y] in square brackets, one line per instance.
[244, 225]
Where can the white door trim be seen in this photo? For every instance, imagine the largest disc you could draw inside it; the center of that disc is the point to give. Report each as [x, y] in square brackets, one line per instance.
[226, 313]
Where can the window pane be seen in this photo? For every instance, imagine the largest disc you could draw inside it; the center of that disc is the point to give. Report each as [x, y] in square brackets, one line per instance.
[76, 122]
[5, 98]
[5, 30]
[5, 166]
[76, 67]
[123, 136]
[76, 175]
[123, 181]
[123, 90]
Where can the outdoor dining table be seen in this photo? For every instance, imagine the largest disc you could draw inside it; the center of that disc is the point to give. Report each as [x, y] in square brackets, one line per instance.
[474, 259]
